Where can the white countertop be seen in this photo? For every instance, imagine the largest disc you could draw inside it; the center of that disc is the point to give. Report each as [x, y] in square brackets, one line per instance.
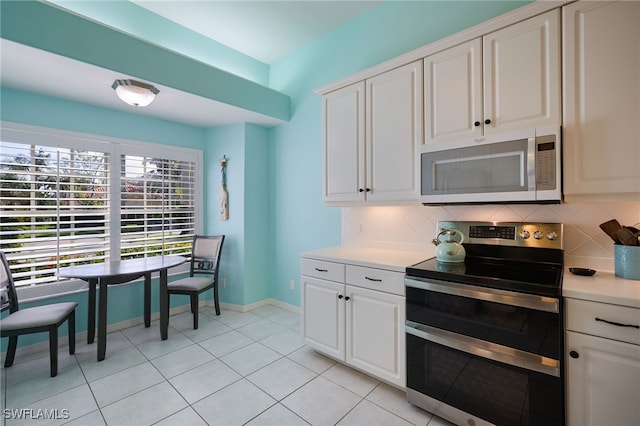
[604, 287]
[392, 260]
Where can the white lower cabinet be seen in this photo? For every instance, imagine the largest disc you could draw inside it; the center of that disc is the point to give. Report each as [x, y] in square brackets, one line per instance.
[374, 337]
[349, 314]
[323, 316]
[603, 364]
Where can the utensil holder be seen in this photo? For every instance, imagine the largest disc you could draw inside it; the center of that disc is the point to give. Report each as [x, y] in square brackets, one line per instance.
[627, 261]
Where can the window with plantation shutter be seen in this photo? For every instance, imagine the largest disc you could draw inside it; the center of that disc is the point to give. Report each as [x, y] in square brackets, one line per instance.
[54, 209]
[69, 199]
[157, 212]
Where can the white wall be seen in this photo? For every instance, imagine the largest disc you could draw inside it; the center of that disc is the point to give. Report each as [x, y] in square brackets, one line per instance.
[413, 227]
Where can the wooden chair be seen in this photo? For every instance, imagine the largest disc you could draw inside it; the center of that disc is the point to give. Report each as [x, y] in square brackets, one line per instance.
[203, 274]
[33, 320]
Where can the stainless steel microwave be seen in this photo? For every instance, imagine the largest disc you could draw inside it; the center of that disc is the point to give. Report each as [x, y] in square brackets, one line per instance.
[516, 167]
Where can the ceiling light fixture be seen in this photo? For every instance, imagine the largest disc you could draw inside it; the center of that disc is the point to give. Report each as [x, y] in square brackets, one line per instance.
[135, 92]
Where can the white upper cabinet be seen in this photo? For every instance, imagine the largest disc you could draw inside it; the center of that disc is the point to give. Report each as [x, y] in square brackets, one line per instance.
[394, 134]
[522, 74]
[601, 84]
[506, 80]
[453, 93]
[372, 135]
[343, 147]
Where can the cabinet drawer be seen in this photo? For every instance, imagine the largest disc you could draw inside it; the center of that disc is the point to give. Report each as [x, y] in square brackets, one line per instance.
[376, 279]
[590, 318]
[320, 269]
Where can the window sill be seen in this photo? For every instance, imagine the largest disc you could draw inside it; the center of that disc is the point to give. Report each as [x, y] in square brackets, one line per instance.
[70, 286]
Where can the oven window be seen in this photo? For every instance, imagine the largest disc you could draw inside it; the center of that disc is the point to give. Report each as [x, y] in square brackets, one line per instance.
[521, 328]
[499, 393]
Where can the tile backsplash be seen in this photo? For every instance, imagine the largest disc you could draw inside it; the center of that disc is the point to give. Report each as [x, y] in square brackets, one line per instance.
[413, 227]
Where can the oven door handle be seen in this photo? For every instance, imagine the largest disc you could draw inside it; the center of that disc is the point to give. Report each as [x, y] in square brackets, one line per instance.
[530, 301]
[483, 349]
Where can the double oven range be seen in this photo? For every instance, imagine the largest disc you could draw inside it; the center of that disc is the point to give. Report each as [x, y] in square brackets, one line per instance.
[485, 337]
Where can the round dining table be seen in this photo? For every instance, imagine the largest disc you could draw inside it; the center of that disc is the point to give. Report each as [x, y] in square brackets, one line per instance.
[102, 275]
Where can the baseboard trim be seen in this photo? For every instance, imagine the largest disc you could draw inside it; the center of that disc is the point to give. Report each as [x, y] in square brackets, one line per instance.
[252, 306]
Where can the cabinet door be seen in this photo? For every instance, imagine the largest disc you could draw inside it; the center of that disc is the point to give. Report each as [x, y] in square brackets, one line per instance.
[603, 383]
[394, 133]
[522, 74]
[343, 132]
[375, 334]
[602, 99]
[453, 93]
[323, 316]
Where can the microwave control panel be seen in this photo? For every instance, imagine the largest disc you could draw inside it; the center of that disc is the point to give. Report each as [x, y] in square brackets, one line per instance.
[546, 163]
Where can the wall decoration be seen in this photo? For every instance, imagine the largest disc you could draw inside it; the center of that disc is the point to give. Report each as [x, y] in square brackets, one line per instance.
[224, 195]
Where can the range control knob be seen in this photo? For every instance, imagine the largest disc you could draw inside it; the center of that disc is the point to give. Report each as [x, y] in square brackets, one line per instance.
[552, 235]
[525, 234]
[538, 235]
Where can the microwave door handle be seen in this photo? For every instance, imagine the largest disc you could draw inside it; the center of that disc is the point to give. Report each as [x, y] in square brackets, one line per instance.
[531, 163]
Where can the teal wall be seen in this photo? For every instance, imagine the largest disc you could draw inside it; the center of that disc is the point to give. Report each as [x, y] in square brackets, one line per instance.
[246, 261]
[37, 110]
[229, 141]
[258, 215]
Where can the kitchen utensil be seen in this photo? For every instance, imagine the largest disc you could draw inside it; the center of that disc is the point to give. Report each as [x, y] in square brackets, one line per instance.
[636, 232]
[450, 250]
[627, 237]
[633, 229]
[582, 271]
[611, 228]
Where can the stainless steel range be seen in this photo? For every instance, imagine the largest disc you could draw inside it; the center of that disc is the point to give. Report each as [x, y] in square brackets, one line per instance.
[485, 336]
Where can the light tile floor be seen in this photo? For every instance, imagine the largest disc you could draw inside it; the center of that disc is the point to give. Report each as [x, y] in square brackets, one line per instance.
[236, 369]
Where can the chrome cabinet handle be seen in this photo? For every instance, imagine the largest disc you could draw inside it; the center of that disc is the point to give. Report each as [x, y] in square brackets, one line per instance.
[618, 324]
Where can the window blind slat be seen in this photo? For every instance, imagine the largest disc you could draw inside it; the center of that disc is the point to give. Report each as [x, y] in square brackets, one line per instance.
[55, 208]
[157, 206]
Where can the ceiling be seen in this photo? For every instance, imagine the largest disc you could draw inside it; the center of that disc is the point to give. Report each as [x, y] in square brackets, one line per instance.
[264, 30]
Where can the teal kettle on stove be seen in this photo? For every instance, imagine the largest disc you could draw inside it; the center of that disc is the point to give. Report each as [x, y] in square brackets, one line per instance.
[449, 250]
